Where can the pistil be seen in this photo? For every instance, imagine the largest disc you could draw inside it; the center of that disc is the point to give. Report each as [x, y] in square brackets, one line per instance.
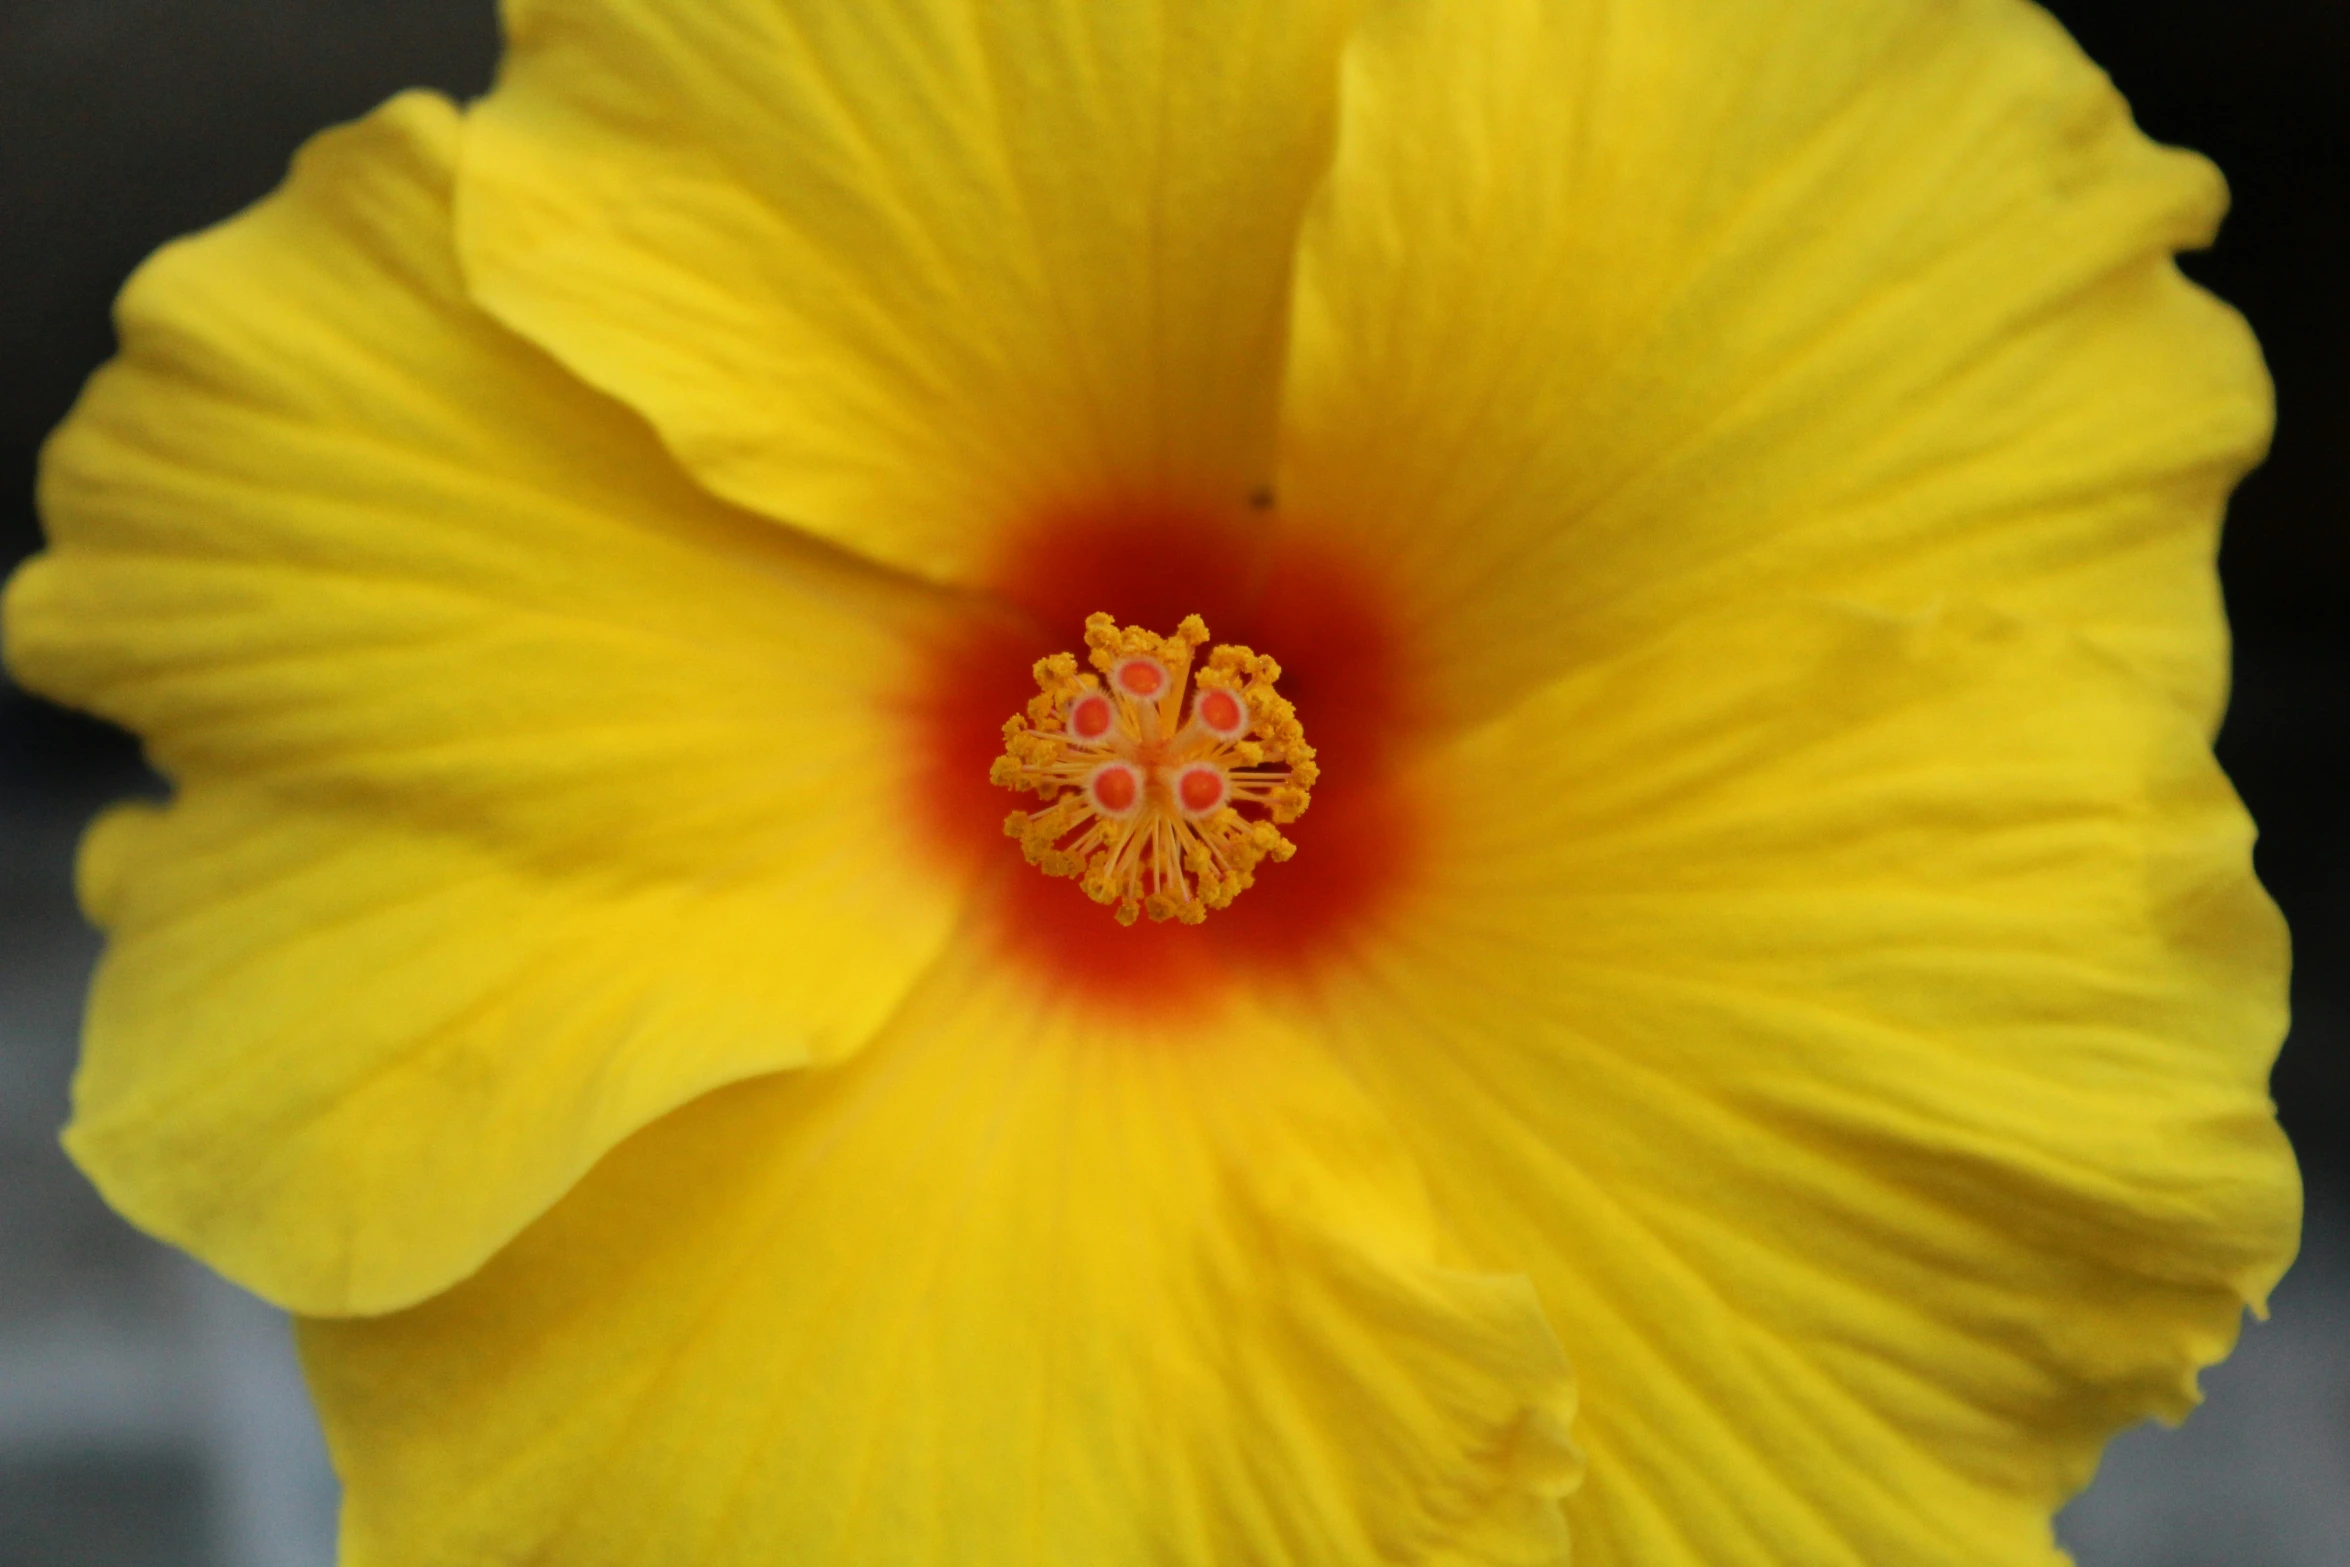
[1150, 808]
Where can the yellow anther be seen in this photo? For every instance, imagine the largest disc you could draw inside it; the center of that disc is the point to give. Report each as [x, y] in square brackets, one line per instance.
[1153, 812]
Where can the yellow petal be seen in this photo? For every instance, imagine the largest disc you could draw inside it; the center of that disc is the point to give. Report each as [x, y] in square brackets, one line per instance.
[1613, 315]
[1014, 1286]
[527, 792]
[913, 273]
[1859, 1026]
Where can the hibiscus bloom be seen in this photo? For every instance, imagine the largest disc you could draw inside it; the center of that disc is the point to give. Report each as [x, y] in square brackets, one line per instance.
[1758, 1054]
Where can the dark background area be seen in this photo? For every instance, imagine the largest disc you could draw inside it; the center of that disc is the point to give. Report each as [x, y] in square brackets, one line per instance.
[125, 122]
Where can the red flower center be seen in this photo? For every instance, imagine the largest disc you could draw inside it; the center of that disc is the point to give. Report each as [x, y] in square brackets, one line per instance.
[1330, 624]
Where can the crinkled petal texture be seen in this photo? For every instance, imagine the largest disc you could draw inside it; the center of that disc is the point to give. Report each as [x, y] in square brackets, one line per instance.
[1859, 1028]
[1014, 1286]
[524, 791]
[908, 272]
[1855, 1025]
[1615, 315]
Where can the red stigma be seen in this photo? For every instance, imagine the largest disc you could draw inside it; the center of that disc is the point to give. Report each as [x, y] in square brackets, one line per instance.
[1140, 677]
[1200, 789]
[1116, 788]
[1091, 717]
[1221, 711]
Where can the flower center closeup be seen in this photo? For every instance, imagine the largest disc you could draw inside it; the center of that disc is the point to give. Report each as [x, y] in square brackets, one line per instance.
[1153, 809]
[1345, 663]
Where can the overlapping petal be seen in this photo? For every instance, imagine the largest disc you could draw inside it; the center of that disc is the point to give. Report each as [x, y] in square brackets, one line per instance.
[912, 273]
[1859, 1027]
[526, 792]
[1014, 1286]
[1615, 315]
[1854, 1019]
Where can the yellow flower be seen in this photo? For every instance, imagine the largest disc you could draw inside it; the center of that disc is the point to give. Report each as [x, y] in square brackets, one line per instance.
[1731, 489]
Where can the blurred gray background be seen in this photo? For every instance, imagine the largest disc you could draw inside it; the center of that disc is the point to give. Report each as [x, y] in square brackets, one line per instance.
[152, 1416]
